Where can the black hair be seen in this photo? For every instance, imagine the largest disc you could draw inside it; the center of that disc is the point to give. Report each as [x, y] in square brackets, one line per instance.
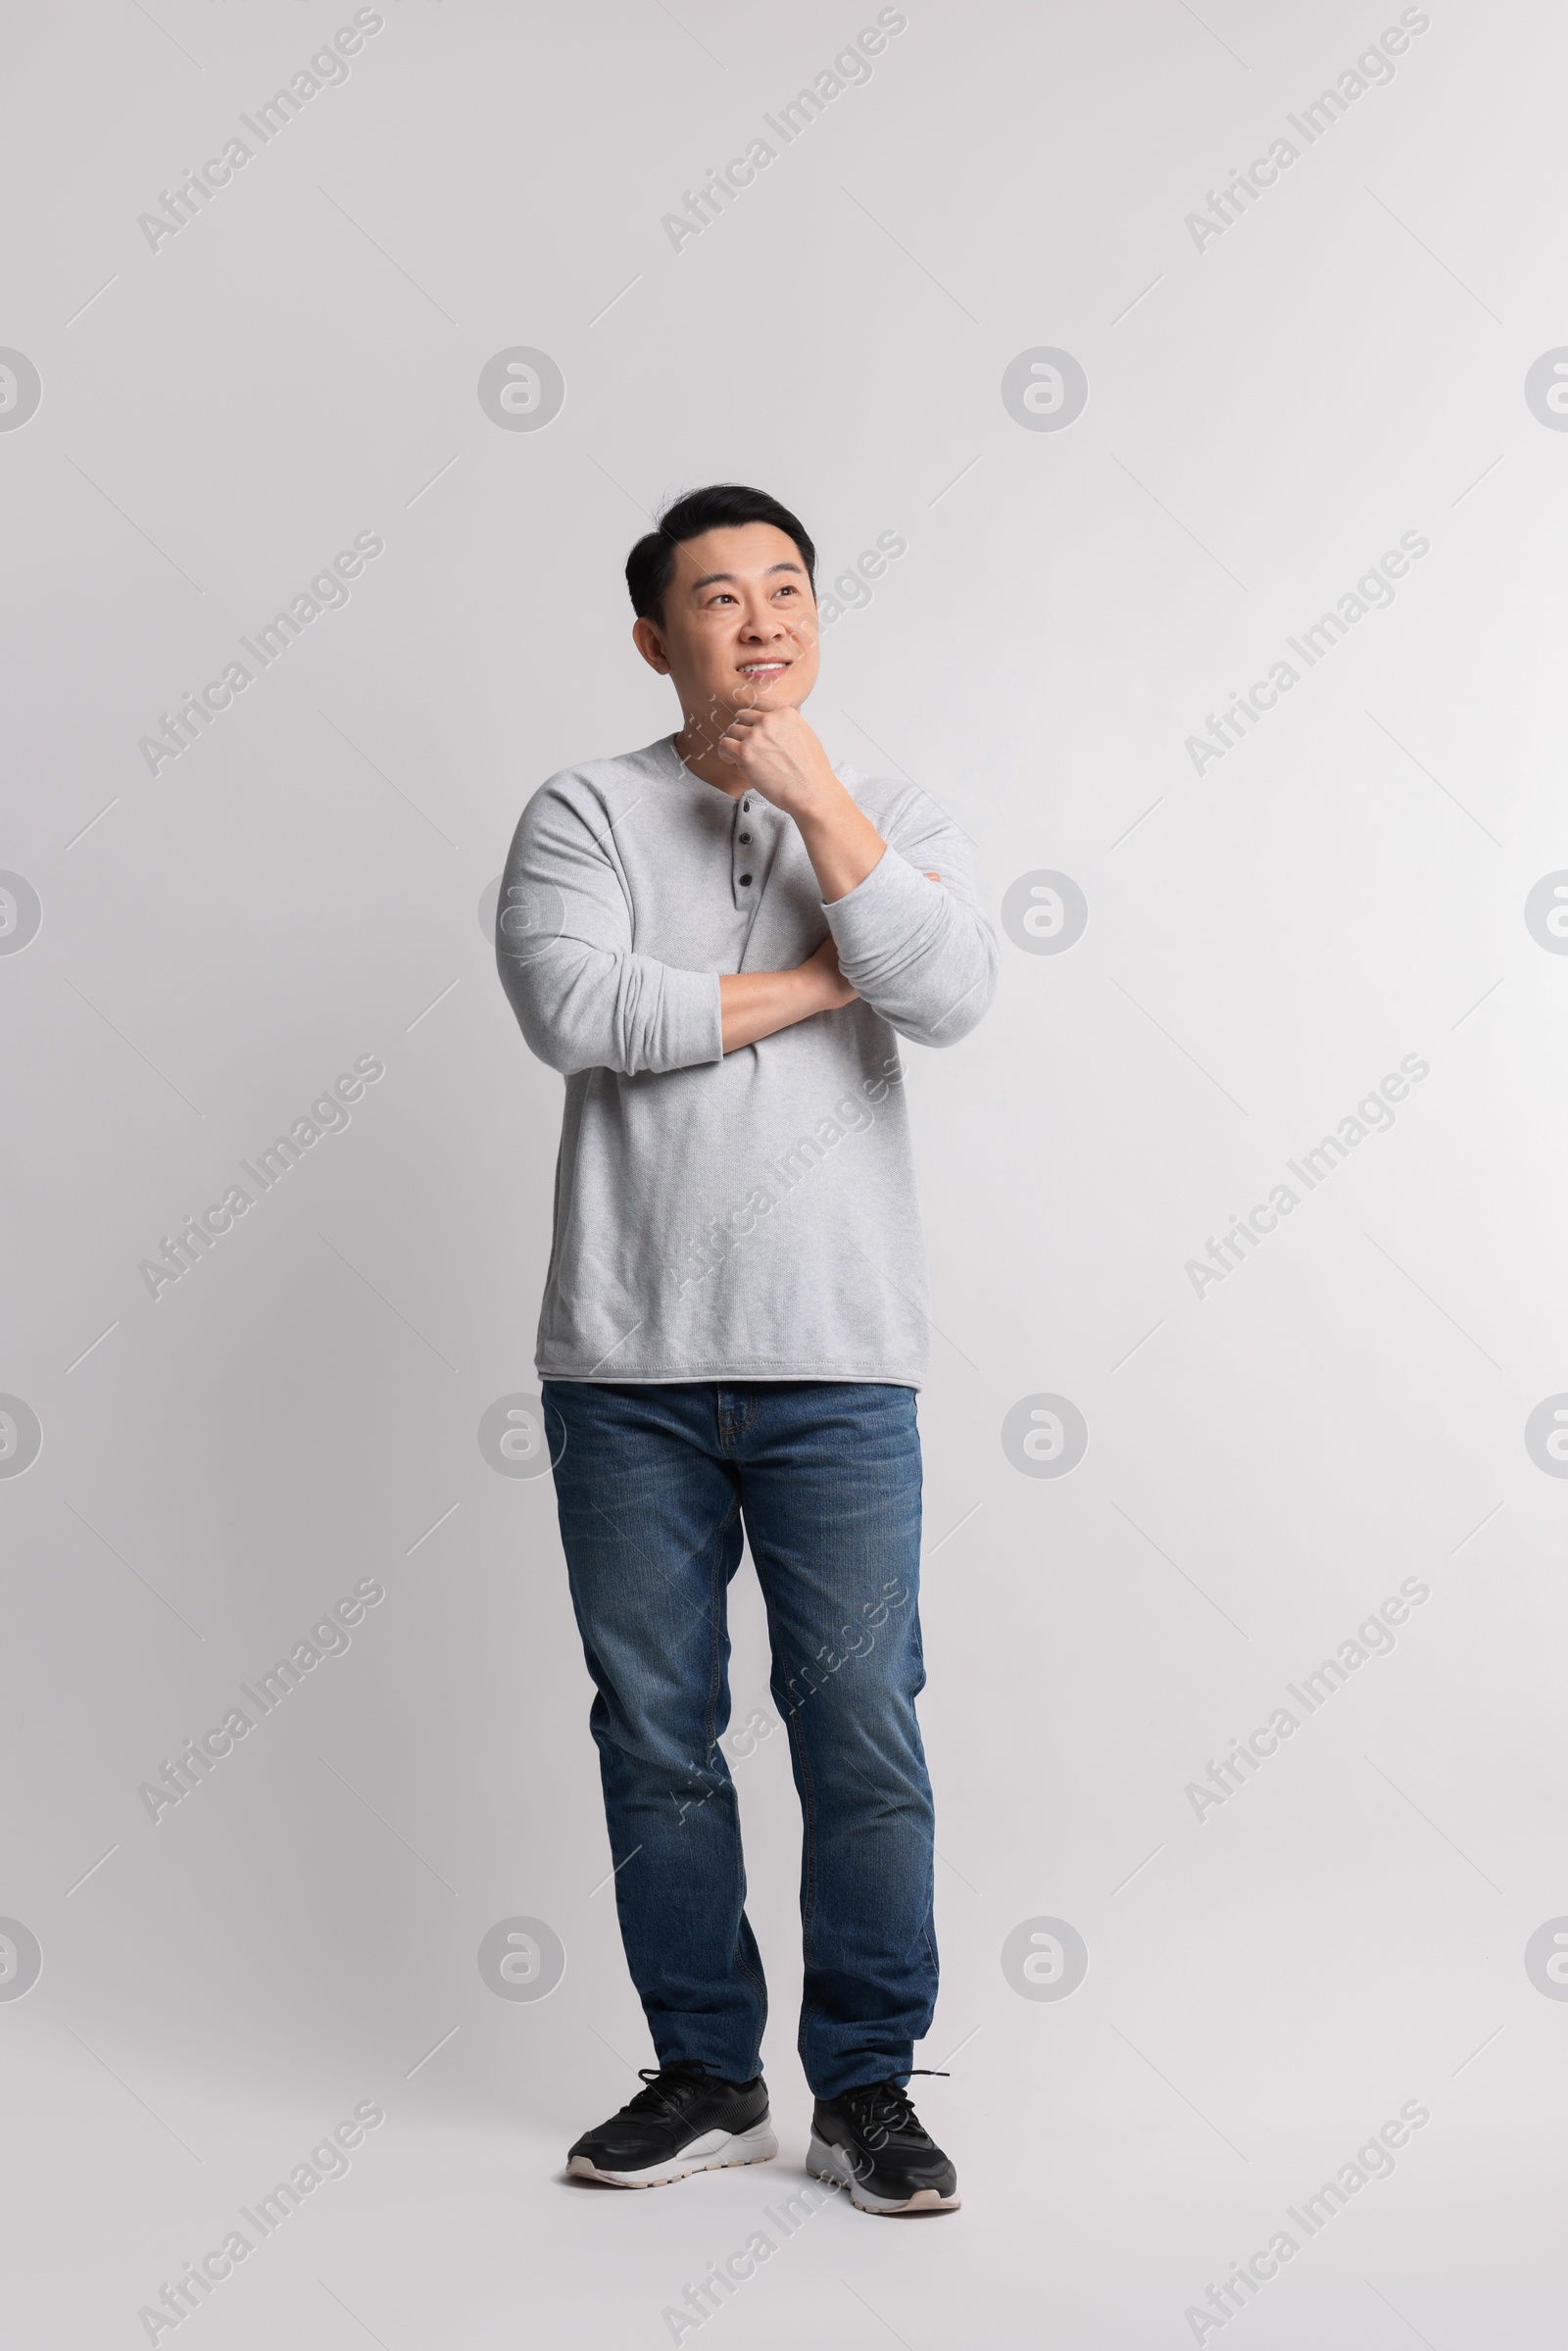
[650, 563]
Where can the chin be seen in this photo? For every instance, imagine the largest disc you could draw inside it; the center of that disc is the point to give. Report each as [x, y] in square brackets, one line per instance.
[780, 693]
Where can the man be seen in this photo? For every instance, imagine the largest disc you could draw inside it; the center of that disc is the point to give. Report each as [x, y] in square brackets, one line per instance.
[718, 940]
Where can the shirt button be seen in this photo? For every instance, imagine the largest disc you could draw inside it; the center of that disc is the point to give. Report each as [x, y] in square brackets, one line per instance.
[745, 881]
[746, 808]
[745, 837]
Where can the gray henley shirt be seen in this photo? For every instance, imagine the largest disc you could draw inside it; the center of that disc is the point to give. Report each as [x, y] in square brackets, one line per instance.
[749, 1215]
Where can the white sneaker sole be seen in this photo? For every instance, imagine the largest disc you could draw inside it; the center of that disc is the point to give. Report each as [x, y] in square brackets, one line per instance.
[710, 2153]
[831, 2163]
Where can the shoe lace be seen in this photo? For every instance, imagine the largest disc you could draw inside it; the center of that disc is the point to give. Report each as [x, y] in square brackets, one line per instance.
[669, 2087]
[882, 2110]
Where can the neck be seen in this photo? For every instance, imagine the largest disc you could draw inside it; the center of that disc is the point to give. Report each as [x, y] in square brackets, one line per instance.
[695, 747]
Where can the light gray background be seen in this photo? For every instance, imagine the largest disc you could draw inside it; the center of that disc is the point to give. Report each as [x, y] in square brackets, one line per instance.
[1265, 417]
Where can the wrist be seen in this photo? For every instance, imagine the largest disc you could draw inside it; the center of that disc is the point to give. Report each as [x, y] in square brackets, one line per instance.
[805, 987]
[817, 801]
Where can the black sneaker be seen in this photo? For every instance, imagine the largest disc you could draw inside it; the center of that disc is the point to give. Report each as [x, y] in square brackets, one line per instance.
[687, 2120]
[870, 2141]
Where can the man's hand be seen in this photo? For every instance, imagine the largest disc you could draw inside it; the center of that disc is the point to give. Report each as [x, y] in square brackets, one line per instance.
[754, 1005]
[778, 755]
[822, 977]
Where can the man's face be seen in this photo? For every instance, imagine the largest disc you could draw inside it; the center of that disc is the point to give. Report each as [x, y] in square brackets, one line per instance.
[739, 631]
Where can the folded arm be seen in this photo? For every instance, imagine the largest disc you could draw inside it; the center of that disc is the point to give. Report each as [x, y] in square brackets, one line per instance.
[585, 1000]
[757, 1003]
[926, 959]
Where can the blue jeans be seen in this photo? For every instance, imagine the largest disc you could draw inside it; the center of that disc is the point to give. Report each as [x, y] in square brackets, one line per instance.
[654, 1485]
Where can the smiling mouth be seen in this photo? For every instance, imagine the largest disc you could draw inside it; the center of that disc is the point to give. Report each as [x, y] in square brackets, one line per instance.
[763, 668]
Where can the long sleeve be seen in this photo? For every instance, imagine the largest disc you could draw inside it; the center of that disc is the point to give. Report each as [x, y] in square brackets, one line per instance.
[921, 955]
[584, 999]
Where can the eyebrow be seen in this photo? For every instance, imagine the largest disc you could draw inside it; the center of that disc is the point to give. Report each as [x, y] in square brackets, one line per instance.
[709, 577]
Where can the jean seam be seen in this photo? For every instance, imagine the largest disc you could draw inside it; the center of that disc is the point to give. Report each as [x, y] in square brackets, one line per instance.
[808, 1792]
[716, 1619]
[808, 1837]
[716, 1615]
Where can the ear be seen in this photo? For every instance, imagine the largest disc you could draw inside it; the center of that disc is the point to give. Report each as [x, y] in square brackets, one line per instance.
[649, 639]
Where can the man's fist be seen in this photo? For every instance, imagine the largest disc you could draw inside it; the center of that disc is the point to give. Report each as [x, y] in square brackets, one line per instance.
[778, 755]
